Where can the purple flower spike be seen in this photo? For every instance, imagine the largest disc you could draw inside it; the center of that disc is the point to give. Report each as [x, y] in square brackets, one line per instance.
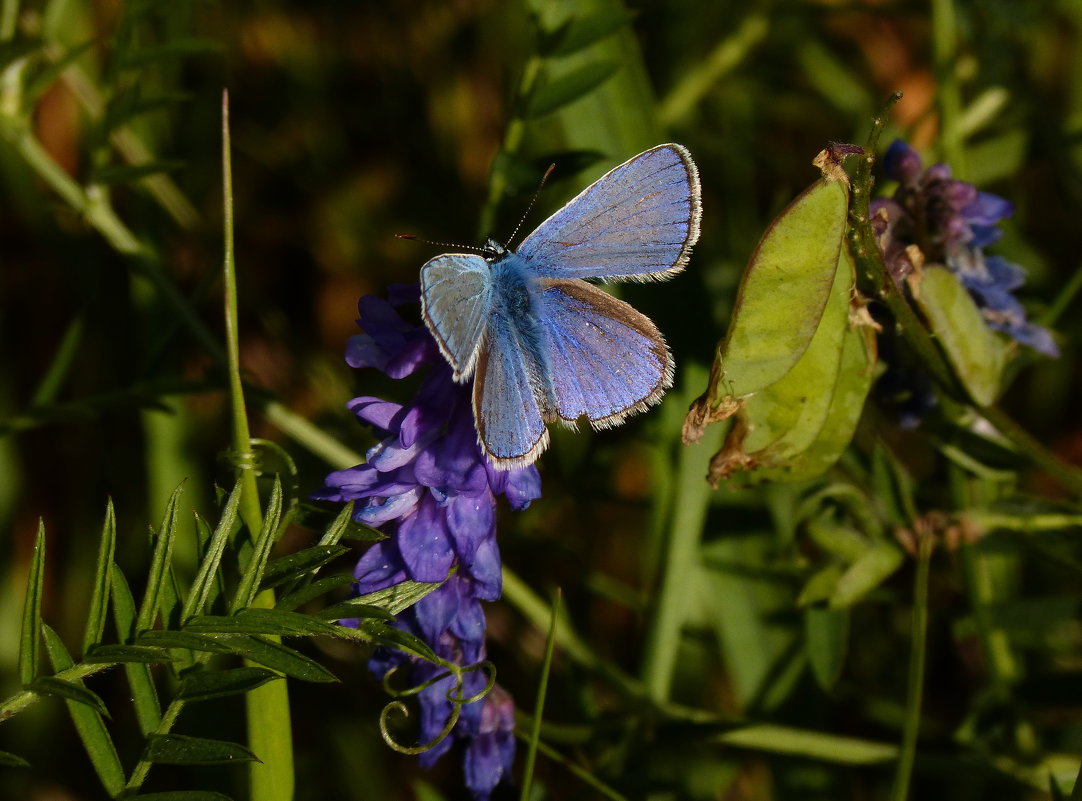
[429, 488]
[951, 223]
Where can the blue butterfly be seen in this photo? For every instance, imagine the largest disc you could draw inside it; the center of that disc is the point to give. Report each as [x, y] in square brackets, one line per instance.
[541, 344]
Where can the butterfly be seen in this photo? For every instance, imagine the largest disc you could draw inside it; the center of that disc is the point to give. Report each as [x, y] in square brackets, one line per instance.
[541, 344]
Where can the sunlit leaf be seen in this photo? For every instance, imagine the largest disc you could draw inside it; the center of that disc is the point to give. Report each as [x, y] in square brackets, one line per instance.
[783, 292]
[354, 608]
[870, 570]
[397, 597]
[974, 350]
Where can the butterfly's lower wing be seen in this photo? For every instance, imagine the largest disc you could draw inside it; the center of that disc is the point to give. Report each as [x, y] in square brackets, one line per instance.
[509, 396]
[456, 301]
[606, 360]
[637, 221]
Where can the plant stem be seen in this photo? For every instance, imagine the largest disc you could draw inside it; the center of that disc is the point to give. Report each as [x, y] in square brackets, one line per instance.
[917, 656]
[269, 732]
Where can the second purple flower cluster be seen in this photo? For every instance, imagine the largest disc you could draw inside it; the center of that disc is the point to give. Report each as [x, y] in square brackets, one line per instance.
[427, 485]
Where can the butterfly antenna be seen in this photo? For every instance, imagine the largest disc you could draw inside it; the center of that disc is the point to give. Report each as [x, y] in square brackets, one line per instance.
[536, 194]
[438, 244]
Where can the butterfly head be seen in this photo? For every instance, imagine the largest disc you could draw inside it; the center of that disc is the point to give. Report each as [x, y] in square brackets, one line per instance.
[493, 250]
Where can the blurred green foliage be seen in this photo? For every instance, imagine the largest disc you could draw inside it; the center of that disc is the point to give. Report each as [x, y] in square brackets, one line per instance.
[689, 612]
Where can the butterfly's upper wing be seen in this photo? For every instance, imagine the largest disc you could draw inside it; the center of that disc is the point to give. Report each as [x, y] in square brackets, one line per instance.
[456, 301]
[637, 221]
[606, 360]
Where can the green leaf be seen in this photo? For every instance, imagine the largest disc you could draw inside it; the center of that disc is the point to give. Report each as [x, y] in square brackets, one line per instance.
[10, 760]
[354, 608]
[826, 633]
[159, 638]
[70, 690]
[15, 49]
[821, 586]
[581, 32]
[565, 90]
[177, 48]
[396, 638]
[783, 293]
[144, 693]
[127, 653]
[199, 685]
[207, 574]
[262, 621]
[287, 568]
[159, 563]
[253, 573]
[31, 624]
[88, 723]
[340, 526]
[397, 597]
[178, 749]
[973, 349]
[797, 428]
[870, 570]
[308, 592]
[41, 81]
[278, 657]
[129, 173]
[99, 595]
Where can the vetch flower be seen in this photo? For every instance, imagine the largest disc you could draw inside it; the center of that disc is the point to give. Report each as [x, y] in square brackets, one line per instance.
[427, 485]
[950, 222]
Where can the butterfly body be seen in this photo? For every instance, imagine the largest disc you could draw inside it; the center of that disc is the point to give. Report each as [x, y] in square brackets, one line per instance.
[543, 345]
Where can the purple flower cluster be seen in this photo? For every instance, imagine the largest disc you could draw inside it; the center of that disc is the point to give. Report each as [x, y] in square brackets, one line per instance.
[951, 223]
[427, 485]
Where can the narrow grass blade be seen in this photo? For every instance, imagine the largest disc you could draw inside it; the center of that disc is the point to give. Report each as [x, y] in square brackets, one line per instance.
[10, 760]
[204, 584]
[99, 596]
[159, 564]
[249, 583]
[31, 628]
[88, 722]
[539, 706]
